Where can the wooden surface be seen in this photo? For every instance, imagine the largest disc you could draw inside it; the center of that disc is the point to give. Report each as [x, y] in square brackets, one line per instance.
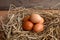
[44, 4]
[54, 11]
[2, 13]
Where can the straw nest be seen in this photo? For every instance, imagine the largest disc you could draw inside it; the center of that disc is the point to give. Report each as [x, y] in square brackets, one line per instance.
[12, 25]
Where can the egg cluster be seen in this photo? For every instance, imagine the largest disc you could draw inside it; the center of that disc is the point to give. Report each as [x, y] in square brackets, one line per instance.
[33, 22]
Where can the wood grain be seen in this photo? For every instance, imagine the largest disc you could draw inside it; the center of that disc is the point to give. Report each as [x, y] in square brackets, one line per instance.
[2, 13]
[44, 4]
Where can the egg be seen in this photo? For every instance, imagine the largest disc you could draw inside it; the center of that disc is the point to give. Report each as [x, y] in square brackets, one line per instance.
[38, 28]
[26, 18]
[41, 21]
[36, 18]
[27, 25]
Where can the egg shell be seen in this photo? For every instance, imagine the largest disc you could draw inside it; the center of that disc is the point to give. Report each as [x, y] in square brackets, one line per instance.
[36, 18]
[41, 21]
[38, 28]
[26, 18]
[27, 25]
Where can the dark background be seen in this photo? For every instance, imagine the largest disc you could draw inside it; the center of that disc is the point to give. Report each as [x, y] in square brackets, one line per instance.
[44, 4]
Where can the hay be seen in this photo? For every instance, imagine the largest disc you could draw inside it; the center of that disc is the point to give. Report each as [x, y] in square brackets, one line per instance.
[12, 25]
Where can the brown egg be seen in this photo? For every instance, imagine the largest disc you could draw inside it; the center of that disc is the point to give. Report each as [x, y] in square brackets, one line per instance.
[26, 18]
[38, 28]
[41, 21]
[36, 18]
[27, 25]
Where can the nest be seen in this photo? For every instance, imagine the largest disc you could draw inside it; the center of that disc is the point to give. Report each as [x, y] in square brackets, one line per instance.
[12, 25]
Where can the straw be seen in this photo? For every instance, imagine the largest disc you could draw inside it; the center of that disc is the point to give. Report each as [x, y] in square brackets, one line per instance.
[13, 28]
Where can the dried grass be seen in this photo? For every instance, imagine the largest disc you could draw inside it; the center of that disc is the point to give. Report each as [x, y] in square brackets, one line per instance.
[12, 25]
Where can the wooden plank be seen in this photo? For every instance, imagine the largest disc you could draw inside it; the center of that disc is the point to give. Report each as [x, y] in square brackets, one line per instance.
[3, 13]
[44, 4]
